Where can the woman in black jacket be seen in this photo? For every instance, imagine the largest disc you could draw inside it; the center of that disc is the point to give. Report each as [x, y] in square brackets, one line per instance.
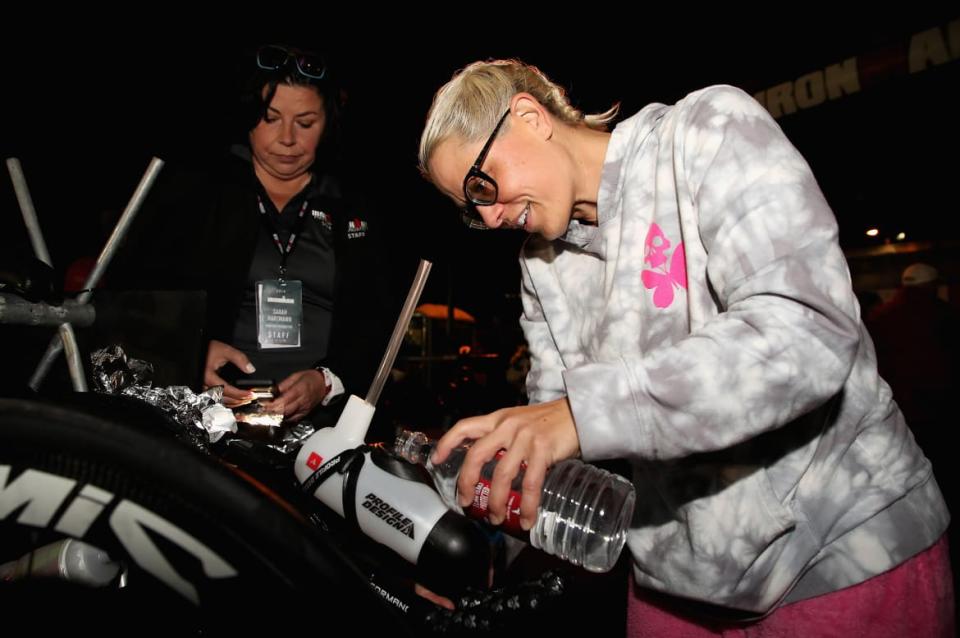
[285, 254]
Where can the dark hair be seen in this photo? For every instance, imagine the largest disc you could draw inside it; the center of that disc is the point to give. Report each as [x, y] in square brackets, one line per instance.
[254, 101]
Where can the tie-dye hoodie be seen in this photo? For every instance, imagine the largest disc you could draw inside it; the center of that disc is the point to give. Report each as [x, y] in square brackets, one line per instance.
[706, 330]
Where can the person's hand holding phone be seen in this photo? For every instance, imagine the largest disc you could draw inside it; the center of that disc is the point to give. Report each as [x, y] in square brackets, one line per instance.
[220, 354]
[299, 393]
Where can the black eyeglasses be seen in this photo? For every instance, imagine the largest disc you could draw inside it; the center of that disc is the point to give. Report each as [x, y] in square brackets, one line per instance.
[479, 189]
[274, 57]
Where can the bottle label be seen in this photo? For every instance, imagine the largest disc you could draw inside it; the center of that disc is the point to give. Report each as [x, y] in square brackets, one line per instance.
[480, 507]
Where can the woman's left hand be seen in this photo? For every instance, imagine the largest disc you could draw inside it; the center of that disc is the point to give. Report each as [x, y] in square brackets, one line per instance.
[538, 435]
[300, 393]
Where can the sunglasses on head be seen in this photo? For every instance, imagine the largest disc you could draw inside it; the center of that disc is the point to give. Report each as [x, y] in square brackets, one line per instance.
[274, 57]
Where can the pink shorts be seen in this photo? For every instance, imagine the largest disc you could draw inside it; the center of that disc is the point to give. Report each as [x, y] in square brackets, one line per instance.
[913, 599]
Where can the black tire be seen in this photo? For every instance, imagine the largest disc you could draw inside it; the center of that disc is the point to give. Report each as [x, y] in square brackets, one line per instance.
[287, 574]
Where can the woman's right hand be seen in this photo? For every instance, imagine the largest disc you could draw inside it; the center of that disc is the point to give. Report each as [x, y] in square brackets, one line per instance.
[218, 355]
[536, 435]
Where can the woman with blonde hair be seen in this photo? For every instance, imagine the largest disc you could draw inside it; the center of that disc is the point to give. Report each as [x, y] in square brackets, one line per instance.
[688, 308]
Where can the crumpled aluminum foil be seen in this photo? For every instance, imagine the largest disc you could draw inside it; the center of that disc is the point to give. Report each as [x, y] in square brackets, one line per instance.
[254, 414]
[203, 416]
[113, 371]
[271, 449]
[292, 438]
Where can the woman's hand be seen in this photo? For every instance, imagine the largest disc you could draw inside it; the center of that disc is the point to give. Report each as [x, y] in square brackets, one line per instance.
[218, 355]
[300, 393]
[538, 435]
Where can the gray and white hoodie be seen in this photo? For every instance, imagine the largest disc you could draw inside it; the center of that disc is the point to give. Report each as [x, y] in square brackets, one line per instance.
[706, 330]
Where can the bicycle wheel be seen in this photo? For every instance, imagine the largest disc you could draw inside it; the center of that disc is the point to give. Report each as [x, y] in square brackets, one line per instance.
[203, 547]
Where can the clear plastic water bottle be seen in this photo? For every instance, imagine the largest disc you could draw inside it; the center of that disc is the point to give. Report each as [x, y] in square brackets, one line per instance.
[584, 510]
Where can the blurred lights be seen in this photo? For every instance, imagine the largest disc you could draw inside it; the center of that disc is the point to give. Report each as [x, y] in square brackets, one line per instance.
[901, 236]
[873, 232]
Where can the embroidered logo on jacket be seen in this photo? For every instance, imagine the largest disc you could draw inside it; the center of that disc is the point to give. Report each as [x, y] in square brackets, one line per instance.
[324, 218]
[660, 277]
[356, 227]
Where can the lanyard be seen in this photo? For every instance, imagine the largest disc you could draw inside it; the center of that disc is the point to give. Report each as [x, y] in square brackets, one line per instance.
[291, 240]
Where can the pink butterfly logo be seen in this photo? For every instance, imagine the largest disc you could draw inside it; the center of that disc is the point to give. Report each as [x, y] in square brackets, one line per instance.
[663, 280]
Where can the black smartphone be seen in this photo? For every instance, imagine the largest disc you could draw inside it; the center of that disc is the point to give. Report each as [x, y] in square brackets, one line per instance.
[249, 382]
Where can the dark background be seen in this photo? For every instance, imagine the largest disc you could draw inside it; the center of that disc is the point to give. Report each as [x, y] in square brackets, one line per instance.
[85, 109]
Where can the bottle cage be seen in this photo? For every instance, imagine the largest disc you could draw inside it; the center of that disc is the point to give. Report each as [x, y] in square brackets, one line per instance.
[348, 463]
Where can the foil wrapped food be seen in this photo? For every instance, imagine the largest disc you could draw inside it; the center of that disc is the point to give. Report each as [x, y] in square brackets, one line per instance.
[113, 370]
[202, 416]
[254, 412]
